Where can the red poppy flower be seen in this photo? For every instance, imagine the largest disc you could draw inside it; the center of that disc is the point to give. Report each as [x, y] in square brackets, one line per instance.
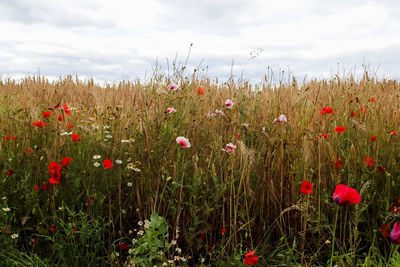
[353, 114]
[74, 230]
[202, 236]
[60, 118]
[328, 110]
[394, 133]
[66, 162]
[55, 172]
[345, 196]
[46, 186]
[46, 114]
[10, 172]
[381, 168]
[363, 110]
[395, 209]
[325, 135]
[238, 136]
[338, 163]
[53, 228]
[306, 188]
[66, 109]
[372, 100]
[37, 188]
[373, 138]
[250, 259]
[340, 129]
[385, 230]
[107, 164]
[124, 246]
[200, 91]
[70, 126]
[223, 231]
[39, 124]
[57, 106]
[8, 137]
[28, 151]
[76, 137]
[369, 161]
[88, 202]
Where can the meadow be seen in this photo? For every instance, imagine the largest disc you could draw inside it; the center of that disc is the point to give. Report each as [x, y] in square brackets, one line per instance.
[182, 171]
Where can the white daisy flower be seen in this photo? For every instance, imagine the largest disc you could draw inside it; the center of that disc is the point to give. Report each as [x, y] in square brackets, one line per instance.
[96, 157]
[96, 164]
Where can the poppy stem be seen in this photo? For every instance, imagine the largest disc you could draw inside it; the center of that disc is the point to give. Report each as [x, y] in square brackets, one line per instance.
[333, 236]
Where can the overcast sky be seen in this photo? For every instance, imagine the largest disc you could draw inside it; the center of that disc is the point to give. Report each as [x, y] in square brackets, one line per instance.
[115, 40]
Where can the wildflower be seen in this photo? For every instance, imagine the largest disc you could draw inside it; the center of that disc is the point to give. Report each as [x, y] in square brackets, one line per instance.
[160, 252]
[88, 201]
[70, 126]
[395, 209]
[176, 258]
[96, 157]
[373, 138]
[28, 151]
[223, 231]
[171, 261]
[363, 110]
[173, 242]
[229, 148]
[39, 124]
[200, 91]
[369, 161]
[53, 228]
[340, 129]
[14, 236]
[385, 230]
[66, 109]
[353, 114]
[219, 112]
[140, 223]
[134, 240]
[124, 246]
[282, 118]
[171, 110]
[8, 137]
[109, 136]
[328, 110]
[182, 258]
[209, 114]
[394, 133]
[172, 86]
[46, 114]
[107, 164]
[60, 118]
[306, 188]
[66, 162]
[338, 163]
[46, 186]
[76, 137]
[74, 230]
[118, 161]
[9, 172]
[250, 259]
[394, 235]
[345, 196]
[325, 135]
[381, 168]
[130, 251]
[6, 209]
[140, 233]
[129, 184]
[178, 250]
[37, 187]
[238, 136]
[228, 103]
[184, 142]
[55, 172]
[372, 100]
[96, 164]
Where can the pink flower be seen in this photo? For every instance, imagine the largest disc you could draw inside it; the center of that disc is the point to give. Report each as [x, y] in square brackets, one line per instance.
[345, 196]
[171, 110]
[281, 119]
[184, 142]
[229, 148]
[228, 103]
[220, 112]
[395, 233]
[172, 86]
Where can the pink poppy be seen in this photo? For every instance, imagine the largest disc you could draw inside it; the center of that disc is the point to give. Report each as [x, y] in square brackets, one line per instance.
[171, 110]
[228, 103]
[184, 142]
[172, 86]
[229, 148]
[395, 233]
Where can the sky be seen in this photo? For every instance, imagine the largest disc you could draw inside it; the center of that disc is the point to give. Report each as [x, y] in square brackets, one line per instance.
[128, 39]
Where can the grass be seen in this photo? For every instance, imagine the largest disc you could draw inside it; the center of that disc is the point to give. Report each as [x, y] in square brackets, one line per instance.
[253, 193]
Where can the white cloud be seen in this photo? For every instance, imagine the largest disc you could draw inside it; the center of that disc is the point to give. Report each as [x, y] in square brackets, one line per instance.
[113, 40]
